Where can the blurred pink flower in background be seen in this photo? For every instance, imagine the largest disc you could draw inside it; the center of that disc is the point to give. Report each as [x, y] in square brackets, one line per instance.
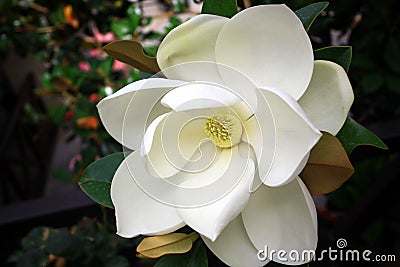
[84, 66]
[76, 158]
[94, 52]
[118, 65]
[98, 37]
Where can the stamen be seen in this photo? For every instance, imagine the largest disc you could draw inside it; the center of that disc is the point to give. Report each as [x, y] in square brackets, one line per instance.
[224, 130]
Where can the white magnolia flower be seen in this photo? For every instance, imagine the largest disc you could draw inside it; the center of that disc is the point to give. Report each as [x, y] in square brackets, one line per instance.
[219, 144]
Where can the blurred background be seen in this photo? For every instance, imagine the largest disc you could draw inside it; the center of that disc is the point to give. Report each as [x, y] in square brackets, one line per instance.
[53, 72]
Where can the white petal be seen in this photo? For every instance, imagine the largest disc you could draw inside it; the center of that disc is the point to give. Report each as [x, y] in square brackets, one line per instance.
[269, 45]
[185, 193]
[136, 212]
[310, 204]
[186, 54]
[234, 247]
[295, 136]
[197, 95]
[243, 111]
[126, 113]
[259, 132]
[213, 78]
[211, 219]
[149, 134]
[282, 218]
[174, 138]
[328, 98]
[193, 40]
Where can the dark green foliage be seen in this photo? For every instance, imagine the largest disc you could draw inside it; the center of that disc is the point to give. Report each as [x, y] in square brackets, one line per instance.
[338, 54]
[96, 179]
[87, 244]
[309, 13]
[226, 8]
[353, 134]
[196, 257]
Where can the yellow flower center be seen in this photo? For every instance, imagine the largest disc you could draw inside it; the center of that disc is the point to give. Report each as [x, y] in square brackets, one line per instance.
[224, 130]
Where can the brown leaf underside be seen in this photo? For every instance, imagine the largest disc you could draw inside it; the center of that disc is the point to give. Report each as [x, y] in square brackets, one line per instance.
[328, 166]
[131, 53]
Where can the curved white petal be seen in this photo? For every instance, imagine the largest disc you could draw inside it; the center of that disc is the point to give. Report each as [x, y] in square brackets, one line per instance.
[150, 132]
[136, 212]
[126, 113]
[282, 218]
[310, 203]
[213, 78]
[180, 191]
[242, 111]
[197, 95]
[210, 219]
[269, 45]
[234, 247]
[192, 41]
[328, 98]
[259, 132]
[295, 136]
[171, 140]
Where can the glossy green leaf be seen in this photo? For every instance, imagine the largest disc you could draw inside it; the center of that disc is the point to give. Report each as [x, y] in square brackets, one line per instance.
[224, 8]
[309, 13]
[353, 134]
[96, 179]
[196, 257]
[339, 54]
[131, 53]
